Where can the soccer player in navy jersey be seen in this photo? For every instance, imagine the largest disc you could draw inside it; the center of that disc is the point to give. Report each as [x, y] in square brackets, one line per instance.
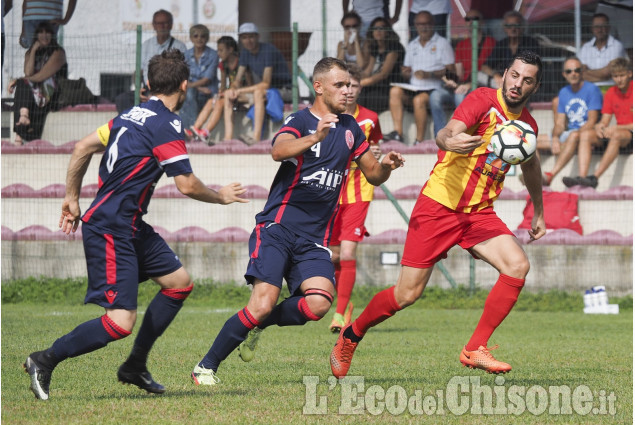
[121, 249]
[315, 147]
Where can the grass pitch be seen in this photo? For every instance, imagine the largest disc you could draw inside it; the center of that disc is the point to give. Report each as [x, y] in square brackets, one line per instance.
[414, 354]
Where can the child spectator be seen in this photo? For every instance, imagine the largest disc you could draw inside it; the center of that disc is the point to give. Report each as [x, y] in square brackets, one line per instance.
[618, 101]
[213, 109]
[203, 83]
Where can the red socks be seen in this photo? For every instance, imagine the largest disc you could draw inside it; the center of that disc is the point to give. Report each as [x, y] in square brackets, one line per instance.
[498, 304]
[345, 281]
[381, 307]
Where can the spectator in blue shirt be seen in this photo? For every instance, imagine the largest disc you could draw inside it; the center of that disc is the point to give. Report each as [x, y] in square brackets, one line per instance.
[269, 71]
[203, 82]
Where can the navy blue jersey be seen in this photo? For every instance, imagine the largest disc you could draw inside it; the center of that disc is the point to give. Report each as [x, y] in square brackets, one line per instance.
[142, 143]
[305, 192]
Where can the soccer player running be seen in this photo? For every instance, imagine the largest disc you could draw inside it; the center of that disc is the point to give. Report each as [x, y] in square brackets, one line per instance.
[121, 249]
[455, 207]
[316, 146]
[349, 228]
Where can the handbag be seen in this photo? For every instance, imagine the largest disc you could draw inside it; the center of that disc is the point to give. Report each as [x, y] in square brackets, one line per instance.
[73, 92]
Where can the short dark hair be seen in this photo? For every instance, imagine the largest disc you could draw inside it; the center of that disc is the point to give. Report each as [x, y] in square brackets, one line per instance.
[351, 14]
[167, 71]
[601, 15]
[531, 58]
[326, 64]
[229, 42]
[355, 71]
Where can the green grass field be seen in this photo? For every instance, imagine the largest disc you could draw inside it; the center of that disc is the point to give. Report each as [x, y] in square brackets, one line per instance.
[413, 355]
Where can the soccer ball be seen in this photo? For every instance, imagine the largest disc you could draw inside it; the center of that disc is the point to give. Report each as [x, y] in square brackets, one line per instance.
[514, 142]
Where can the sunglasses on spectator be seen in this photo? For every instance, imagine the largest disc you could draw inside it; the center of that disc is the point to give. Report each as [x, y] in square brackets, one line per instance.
[576, 70]
[198, 36]
[472, 18]
[380, 28]
[350, 27]
[512, 25]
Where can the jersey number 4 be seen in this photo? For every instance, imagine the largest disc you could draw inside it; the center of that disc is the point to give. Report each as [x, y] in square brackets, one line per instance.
[113, 152]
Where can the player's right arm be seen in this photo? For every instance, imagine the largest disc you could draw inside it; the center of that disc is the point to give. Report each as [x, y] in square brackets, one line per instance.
[453, 137]
[190, 185]
[288, 146]
[82, 154]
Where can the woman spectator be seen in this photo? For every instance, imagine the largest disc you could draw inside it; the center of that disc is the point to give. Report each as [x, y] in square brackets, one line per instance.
[35, 93]
[353, 48]
[384, 65]
[213, 109]
[203, 84]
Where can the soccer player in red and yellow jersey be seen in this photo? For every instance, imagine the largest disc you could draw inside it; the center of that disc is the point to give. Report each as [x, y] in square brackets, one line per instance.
[357, 193]
[455, 207]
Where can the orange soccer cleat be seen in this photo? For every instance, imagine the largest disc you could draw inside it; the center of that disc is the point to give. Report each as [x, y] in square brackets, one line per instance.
[342, 355]
[483, 359]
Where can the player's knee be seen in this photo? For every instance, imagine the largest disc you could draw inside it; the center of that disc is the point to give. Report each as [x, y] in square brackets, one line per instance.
[518, 269]
[318, 302]
[124, 319]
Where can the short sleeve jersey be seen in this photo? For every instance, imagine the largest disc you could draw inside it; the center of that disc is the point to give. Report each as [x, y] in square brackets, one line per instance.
[357, 187]
[141, 144]
[304, 194]
[471, 182]
[620, 104]
[268, 56]
[576, 105]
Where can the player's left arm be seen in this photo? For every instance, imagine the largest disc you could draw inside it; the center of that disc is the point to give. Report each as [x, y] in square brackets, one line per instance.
[378, 172]
[533, 180]
[82, 154]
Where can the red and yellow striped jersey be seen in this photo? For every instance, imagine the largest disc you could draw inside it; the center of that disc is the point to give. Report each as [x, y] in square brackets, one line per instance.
[471, 182]
[357, 187]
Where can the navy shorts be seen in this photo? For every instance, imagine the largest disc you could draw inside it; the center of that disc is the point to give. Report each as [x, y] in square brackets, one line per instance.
[276, 253]
[116, 265]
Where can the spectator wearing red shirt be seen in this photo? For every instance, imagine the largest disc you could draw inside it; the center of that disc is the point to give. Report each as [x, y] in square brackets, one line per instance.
[618, 101]
[462, 84]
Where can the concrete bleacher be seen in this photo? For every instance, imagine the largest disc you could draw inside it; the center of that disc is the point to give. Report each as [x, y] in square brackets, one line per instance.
[211, 239]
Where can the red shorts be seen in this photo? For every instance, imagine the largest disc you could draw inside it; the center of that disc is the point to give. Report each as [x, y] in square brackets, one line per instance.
[434, 229]
[349, 223]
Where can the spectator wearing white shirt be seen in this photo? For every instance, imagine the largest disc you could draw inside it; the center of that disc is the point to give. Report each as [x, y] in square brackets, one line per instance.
[597, 53]
[428, 58]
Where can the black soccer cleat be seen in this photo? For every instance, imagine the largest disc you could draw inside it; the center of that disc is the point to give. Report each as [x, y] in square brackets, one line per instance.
[139, 377]
[40, 376]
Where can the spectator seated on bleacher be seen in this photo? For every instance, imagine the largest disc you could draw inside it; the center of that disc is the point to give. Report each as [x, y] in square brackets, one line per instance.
[428, 58]
[618, 101]
[386, 55]
[35, 93]
[203, 82]
[162, 21]
[578, 108]
[269, 71]
[353, 48]
[505, 49]
[597, 53]
[213, 109]
[462, 84]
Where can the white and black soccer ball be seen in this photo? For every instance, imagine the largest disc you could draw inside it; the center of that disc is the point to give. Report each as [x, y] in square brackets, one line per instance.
[514, 142]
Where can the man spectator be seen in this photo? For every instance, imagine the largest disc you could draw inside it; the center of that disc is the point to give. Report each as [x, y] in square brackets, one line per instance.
[440, 10]
[35, 12]
[371, 9]
[269, 71]
[505, 49]
[162, 22]
[428, 58]
[578, 109]
[618, 101]
[462, 84]
[599, 51]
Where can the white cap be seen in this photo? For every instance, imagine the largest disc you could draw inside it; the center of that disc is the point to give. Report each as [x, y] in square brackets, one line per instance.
[248, 28]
